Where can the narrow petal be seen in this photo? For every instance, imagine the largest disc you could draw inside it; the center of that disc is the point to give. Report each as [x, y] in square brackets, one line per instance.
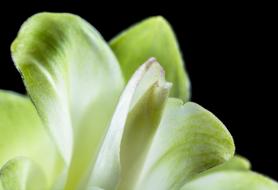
[140, 106]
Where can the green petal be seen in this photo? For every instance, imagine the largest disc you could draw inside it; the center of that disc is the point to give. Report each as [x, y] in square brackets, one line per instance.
[137, 115]
[232, 180]
[94, 188]
[152, 37]
[74, 80]
[188, 141]
[22, 174]
[23, 135]
[236, 163]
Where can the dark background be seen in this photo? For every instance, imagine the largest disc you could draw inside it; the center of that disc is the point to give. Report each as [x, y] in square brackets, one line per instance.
[228, 50]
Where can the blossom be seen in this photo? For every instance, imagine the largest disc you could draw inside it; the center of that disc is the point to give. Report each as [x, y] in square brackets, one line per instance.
[109, 116]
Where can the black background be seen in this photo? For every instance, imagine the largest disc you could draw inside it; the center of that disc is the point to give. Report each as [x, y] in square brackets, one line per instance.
[227, 49]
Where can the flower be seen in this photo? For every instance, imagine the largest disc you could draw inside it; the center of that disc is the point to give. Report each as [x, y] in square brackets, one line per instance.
[95, 119]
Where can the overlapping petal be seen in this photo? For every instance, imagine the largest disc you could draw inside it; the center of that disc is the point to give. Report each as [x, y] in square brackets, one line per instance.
[74, 80]
[23, 135]
[153, 37]
[22, 174]
[86, 131]
[232, 180]
[138, 115]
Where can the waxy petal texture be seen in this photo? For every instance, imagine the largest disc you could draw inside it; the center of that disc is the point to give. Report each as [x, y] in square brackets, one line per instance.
[74, 80]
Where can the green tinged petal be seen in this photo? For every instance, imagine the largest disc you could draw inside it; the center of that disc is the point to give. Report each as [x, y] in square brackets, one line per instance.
[189, 140]
[137, 116]
[236, 163]
[23, 135]
[152, 141]
[231, 175]
[94, 188]
[74, 80]
[232, 180]
[153, 37]
[22, 174]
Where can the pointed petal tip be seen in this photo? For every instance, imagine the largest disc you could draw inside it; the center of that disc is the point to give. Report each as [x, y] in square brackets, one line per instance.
[158, 19]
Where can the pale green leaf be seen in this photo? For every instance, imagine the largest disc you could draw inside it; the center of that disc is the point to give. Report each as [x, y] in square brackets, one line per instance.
[153, 37]
[189, 140]
[74, 80]
[137, 115]
[23, 135]
[22, 174]
[232, 180]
